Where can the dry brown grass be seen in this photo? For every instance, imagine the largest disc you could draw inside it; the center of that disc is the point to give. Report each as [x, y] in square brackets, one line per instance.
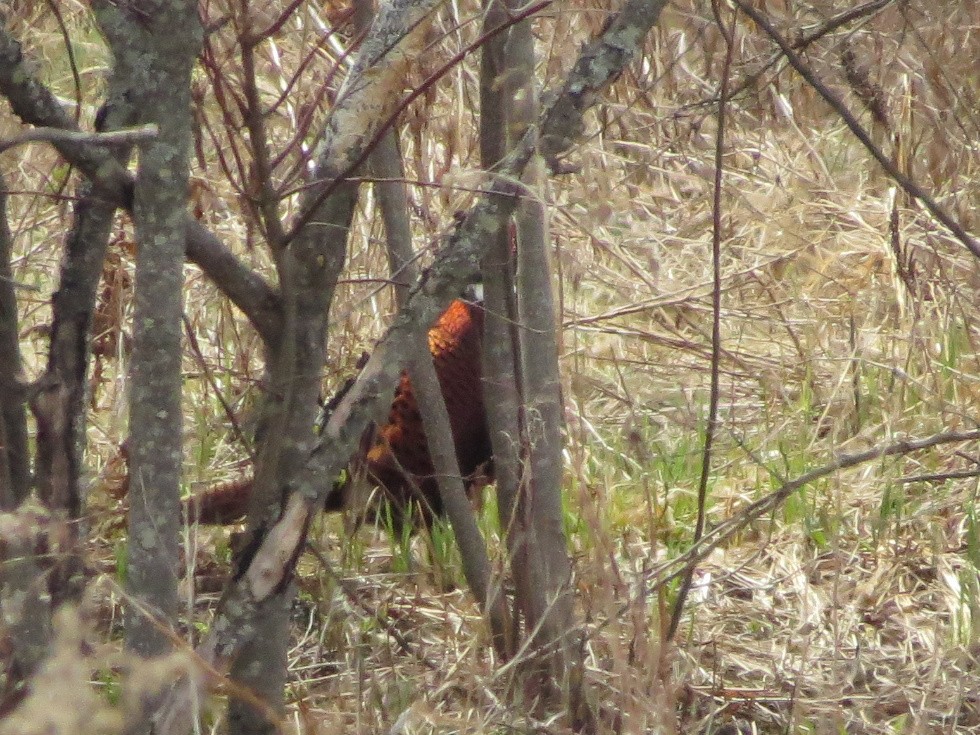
[853, 610]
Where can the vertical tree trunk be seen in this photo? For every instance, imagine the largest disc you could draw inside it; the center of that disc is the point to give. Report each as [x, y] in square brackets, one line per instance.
[544, 415]
[58, 403]
[533, 514]
[499, 346]
[308, 272]
[26, 613]
[159, 46]
[59, 406]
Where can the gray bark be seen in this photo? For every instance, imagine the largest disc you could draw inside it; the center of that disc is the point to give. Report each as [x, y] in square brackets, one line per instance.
[32, 587]
[262, 668]
[59, 403]
[308, 270]
[472, 548]
[543, 414]
[385, 164]
[36, 105]
[500, 345]
[158, 46]
[266, 572]
[24, 609]
[25, 602]
[530, 505]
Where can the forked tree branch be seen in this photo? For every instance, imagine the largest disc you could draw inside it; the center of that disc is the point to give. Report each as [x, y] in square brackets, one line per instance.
[801, 44]
[377, 133]
[36, 105]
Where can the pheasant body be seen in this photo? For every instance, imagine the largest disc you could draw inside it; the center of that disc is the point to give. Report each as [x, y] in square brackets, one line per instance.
[395, 455]
[401, 447]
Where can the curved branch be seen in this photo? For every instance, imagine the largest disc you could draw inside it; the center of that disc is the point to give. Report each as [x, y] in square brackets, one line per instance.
[673, 569]
[765, 505]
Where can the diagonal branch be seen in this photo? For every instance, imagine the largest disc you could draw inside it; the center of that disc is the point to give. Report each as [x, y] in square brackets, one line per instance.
[911, 187]
[675, 568]
[858, 12]
[769, 503]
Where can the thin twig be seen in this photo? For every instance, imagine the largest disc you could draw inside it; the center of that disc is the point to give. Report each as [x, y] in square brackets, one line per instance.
[710, 428]
[801, 44]
[383, 621]
[451, 64]
[678, 566]
[125, 136]
[76, 77]
[262, 189]
[236, 427]
[939, 476]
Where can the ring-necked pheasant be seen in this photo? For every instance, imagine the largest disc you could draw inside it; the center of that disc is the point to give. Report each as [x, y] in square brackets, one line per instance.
[395, 456]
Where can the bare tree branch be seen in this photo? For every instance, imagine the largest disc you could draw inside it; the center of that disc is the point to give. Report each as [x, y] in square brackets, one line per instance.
[910, 185]
[769, 503]
[35, 105]
[355, 162]
[128, 136]
[385, 163]
[275, 553]
[832, 24]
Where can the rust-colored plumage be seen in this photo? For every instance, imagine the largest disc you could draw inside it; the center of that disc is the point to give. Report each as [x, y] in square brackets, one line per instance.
[401, 448]
[395, 456]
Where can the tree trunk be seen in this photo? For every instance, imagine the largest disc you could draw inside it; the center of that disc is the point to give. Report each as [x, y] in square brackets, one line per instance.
[530, 505]
[499, 344]
[385, 163]
[158, 48]
[295, 464]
